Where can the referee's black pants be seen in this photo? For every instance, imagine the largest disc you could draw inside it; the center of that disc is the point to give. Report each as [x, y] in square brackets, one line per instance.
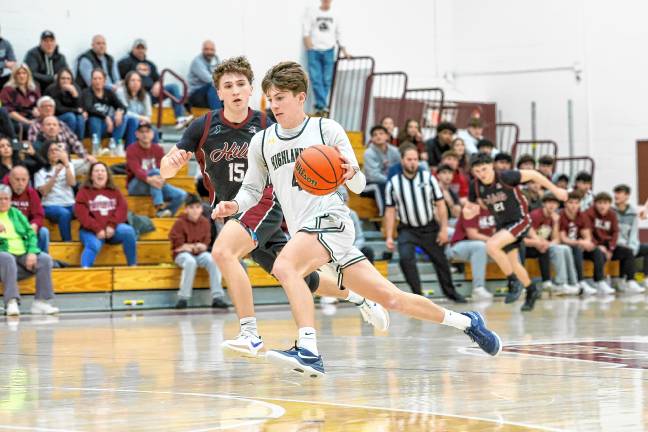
[426, 238]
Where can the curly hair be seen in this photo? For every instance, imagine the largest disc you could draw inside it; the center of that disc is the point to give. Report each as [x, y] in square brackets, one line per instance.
[234, 65]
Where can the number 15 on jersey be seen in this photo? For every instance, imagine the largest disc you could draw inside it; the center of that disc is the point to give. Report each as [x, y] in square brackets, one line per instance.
[236, 172]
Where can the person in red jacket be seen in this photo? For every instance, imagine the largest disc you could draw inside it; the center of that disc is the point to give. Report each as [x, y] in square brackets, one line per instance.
[143, 170]
[605, 232]
[190, 237]
[26, 199]
[102, 211]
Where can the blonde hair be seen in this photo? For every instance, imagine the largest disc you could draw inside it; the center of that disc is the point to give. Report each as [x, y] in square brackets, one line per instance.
[30, 79]
[286, 75]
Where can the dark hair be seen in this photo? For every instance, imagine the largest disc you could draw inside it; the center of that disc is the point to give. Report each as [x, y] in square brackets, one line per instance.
[385, 118]
[550, 197]
[110, 184]
[286, 76]
[45, 153]
[526, 158]
[192, 199]
[561, 177]
[622, 188]
[98, 69]
[584, 177]
[574, 195]
[445, 125]
[503, 156]
[485, 143]
[378, 127]
[234, 65]
[444, 167]
[141, 93]
[61, 72]
[402, 133]
[602, 196]
[480, 159]
[546, 160]
[405, 147]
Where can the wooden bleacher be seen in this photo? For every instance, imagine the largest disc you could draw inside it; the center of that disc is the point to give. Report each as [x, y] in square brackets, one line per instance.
[493, 272]
[162, 230]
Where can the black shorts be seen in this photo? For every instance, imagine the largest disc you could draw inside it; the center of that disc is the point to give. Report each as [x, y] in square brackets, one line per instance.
[519, 230]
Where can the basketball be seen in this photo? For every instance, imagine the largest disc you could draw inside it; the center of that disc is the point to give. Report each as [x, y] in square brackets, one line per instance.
[318, 170]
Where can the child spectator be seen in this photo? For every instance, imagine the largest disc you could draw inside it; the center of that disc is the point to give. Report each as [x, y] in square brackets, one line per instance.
[584, 187]
[190, 238]
[102, 211]
[55, 182]
[629, 227]
[26, 199]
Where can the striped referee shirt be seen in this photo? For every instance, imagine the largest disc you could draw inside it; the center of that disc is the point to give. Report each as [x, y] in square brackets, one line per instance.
[413, 197]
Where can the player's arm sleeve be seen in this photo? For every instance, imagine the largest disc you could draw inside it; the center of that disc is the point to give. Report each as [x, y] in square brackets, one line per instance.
[511, 177]
[334, 135]
[255, 178]
[191, 136]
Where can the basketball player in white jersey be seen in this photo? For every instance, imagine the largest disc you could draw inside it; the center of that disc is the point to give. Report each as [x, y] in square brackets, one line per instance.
[320, 227]
[220, 142]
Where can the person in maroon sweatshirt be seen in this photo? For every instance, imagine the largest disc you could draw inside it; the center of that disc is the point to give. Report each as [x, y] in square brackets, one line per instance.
[605, 232]
[190, 237]
[26, 199]
[143, 170]
[102, 211]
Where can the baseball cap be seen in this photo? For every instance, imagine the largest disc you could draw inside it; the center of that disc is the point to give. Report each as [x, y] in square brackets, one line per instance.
[139, 42]
[143, 125]
[47, 34]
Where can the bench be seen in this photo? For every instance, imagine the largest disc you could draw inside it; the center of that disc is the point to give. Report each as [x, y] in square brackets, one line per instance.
[186, 183]
[493, 271]
[162, 229]
[148, 252]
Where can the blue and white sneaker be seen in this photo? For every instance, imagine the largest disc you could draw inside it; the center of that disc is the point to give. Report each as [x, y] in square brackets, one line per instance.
[487, 340]
[298, 360]
[245, 343]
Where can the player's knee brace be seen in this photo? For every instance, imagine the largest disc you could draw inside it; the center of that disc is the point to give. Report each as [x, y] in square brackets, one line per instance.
[312, 280]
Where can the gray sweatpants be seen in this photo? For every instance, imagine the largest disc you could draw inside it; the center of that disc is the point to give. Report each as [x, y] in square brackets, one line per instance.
[12, 269]
[563, 261]
[189, 264]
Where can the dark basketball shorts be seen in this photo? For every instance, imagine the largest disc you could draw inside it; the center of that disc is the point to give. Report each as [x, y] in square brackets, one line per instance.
[519, 230]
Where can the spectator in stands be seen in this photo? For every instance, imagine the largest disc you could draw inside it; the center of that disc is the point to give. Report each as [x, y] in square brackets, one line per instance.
[459, 148]
[21, 258]
[10, 157]
[45, 61]
[445, 174]
[26, 199]
[19, 97]
[411, 133]
[67, 98]
[190, 238]
[543, 243]
[561, 180]
[105, 111]
[360, 241]
[584, 187]
[6, 126]
[143, 169]
[526, 162]
[55, 182]
[503, 161]
[440, 143]
[7, 60]
[485, 146]
[321, 32]
[576, 232]
[378, 158]
[136, 61]
[137, 102]
[605, 232]
[97, 58]
[546, 165]
[629, 227]
[102, 211]
[468, 244]
[53, 130]
[202, 92]
[419, 226]
[472, 135]
[533, 193]
[459, 183]
[388, 123]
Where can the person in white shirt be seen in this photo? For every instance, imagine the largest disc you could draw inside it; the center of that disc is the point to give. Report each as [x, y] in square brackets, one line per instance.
[471, 135]
[320, 227]
[321, 31]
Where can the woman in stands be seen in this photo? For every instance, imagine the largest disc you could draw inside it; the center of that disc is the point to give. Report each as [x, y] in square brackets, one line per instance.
[411, 132]
[102, 211]
[67, 96]
[19, 97]
[388, 123]
[459, 147]
[138, 103]
[10, 158]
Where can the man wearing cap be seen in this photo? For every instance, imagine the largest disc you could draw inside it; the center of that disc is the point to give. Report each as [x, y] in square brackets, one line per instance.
[136, 61]
[143, 170]
[94, 58]
[472, 134]
[440, 143]
[378, 158]
[45, 60]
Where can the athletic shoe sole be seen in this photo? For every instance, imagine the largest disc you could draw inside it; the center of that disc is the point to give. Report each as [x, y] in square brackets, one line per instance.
[240, 350]
[499, 350]
[293, 364]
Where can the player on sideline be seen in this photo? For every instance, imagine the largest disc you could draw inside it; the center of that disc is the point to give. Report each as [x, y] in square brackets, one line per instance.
[499, 191]
[320, 227]
[220, 140]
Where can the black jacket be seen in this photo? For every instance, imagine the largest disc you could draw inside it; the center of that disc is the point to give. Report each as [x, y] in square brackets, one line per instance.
[435, 150]
[38, 63]
[130, 62]
[96, 63]
[103, 107]
[64, 101]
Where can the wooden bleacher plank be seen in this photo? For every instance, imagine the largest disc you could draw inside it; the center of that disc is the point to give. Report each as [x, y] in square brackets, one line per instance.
[364, 206]
[493, 271]
[357, 144]
[186, 183]
[162, 230]
[168, 116]
[114, 160]
[143, 205]
[148, 252]
[73, 280]
[197, 112]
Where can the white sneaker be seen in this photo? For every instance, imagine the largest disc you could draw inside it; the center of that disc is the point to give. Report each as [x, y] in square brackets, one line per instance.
[40, 307]
[586, 289]
[328, 300]
[182, 122]
[632, 287]
[603, 288]
[245, 343]
[481, 293]
[12, 308]
[374, 314]
[548, 286]
[570, 289]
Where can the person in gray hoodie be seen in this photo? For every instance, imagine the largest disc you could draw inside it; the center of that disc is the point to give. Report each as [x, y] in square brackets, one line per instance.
[378, 158]
[629, 227]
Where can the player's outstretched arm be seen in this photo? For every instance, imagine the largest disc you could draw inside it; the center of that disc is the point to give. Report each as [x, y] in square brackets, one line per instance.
[535, 176]
[173, 161]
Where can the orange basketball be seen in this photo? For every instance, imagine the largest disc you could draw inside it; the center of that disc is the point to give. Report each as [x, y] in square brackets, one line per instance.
[318, 170]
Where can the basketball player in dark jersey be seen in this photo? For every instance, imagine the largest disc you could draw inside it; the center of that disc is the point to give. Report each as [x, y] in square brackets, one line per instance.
[500, 192]
[219, 140]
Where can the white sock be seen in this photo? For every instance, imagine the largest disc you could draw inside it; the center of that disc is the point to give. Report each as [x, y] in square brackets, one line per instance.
[355, 298]
[456, 320]
[248, 324]
[308, 339]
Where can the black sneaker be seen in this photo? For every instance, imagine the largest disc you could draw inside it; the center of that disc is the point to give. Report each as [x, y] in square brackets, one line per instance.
[514, 291]
[181, 304]
[218, 303]
[532, 294]
[456, 297]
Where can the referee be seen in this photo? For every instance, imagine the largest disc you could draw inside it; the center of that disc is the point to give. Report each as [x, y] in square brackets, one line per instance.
[410, 194]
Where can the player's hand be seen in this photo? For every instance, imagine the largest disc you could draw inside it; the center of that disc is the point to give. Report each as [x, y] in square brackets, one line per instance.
[442, 237]
[349, 170]
[562, 194]
[179, 158]
[389, 242]
[30, 261]
[224, 209]
[470, 210]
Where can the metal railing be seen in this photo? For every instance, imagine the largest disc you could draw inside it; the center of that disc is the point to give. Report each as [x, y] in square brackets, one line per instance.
[507, 135]
[384, 92]
[424, 105]
[572, 165]
[163, 93]
[535, 148]
[348, 90]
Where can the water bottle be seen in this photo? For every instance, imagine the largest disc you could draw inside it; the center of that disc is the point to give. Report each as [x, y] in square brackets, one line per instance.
[120, 147]
[95, 144]
[112, 146]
